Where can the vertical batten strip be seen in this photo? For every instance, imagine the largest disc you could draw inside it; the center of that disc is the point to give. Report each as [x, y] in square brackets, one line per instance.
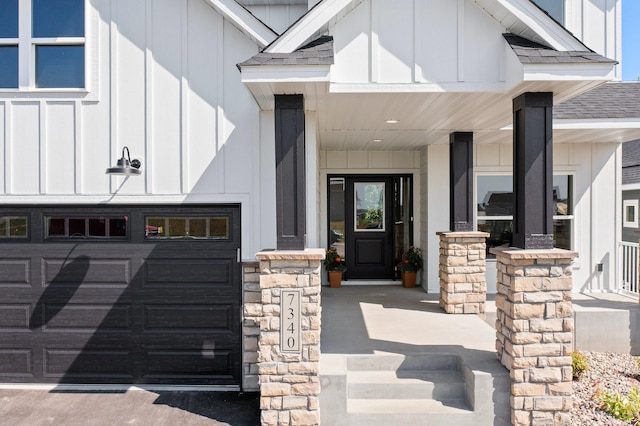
[185, 183]
[148, 93]
[3, 147]
[77, 147]
[461, 40]
[220, 113]
[42, 147]
[113, 87]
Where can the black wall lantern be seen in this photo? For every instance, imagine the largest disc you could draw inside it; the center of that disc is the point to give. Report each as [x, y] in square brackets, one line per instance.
[125, 166]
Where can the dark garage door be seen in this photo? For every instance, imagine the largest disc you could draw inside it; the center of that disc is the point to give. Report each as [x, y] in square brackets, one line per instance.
[120, 295]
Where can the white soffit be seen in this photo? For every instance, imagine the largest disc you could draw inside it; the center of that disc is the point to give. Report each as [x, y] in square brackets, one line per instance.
[242, 19]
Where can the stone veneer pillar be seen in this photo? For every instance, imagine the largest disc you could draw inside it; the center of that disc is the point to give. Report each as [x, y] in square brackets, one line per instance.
[534, 333]
[463, 278]
[289, 382]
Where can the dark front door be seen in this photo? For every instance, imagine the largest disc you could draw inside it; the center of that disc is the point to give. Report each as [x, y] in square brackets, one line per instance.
[369, 227]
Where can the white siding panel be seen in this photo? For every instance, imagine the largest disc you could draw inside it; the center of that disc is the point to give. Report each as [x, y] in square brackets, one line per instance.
[483, 47]
[402, 159]
[336, 160]
[358, 159]
[351, 45]
[393, 23]
[487, 155]
[3, 144]
[202, 100]
[165, 88]
[278, 17]
[60, 166]
[24, 146]
[95, 152]
[561, 155]
[241, 122]
[437, 40]
[595, 25]
[129, 94]
[379, 160]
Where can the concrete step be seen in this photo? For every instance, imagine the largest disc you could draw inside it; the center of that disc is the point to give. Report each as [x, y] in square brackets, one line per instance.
[406, 406]
[422, 362]
[406, 384]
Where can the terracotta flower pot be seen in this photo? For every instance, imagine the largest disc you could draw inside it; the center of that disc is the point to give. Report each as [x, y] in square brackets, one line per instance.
[335, 279]
[409, 279]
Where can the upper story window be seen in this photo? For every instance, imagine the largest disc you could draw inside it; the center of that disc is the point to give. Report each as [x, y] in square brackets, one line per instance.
[555, 8]
[42, 44]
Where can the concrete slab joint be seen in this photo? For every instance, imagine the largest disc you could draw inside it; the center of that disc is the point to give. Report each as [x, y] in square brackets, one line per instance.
[534, 336]
[289, 381]
[463, 283]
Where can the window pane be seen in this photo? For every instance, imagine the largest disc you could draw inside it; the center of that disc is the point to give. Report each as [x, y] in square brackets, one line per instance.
[555, 8]
[198, 227]
[500, 232]
[60, 66]
[562, 195]
[562, 234]
[14, 227]
[369, 205]
[55, 227]
[8, 67]
[97, 227]
[219, 228]
[495, 195]
[118, 226]
[631, 214]
[58, 18]
[337, 214]
[177, 227]
[77, 227]
[8, 18]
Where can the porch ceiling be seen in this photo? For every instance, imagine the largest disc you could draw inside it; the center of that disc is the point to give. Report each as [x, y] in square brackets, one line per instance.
[355, 121]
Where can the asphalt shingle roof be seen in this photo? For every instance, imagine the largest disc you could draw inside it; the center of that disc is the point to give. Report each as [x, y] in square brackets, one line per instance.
[317, 52]
[530, 52]
[609, 100]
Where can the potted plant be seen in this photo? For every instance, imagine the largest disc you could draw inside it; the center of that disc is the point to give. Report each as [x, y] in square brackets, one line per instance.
[335, 265]
[410, 264]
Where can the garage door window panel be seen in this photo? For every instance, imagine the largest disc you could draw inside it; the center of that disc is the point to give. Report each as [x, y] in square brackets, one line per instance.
[197, 227]
[100, 227]
[14, 227]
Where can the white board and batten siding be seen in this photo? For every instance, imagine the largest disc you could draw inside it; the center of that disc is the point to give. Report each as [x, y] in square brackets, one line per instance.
[162, 80]
[413, 41]
[596, 223]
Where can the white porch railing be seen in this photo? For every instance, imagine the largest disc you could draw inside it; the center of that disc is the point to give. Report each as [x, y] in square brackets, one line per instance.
[628, 268]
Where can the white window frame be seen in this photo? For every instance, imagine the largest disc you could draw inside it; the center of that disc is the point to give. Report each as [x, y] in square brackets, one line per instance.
[625, 219]
[27, 53]
[570, 217]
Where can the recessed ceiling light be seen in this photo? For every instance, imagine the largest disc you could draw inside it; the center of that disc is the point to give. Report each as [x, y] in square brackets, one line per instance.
[392, 121]
[377, 140]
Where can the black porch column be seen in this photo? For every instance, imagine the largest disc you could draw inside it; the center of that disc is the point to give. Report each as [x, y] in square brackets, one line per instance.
[461, 181]
[533, 171]
[290, 172]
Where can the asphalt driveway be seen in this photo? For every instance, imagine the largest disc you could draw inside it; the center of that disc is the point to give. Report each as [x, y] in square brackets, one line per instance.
[31, 407]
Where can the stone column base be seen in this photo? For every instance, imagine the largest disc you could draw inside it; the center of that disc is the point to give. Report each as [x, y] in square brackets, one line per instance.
[534, 333]
[463, 280]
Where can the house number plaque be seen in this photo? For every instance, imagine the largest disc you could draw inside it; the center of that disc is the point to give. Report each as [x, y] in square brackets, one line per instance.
[290, 322]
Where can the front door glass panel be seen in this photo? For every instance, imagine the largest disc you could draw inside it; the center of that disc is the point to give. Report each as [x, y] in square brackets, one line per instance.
[369, 206]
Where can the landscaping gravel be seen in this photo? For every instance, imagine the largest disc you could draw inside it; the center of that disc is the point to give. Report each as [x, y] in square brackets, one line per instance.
[607, 371]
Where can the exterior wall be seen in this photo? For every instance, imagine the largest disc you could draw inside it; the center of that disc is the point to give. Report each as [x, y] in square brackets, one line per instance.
[435, 212]
[252, 297]
[596, 215]
[598, 23]
[391, 41]
[162, 81]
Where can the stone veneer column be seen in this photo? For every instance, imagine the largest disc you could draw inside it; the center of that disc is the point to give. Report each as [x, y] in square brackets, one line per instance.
[289, 383]
[463, 278]
[534, 333]
[252, 314]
